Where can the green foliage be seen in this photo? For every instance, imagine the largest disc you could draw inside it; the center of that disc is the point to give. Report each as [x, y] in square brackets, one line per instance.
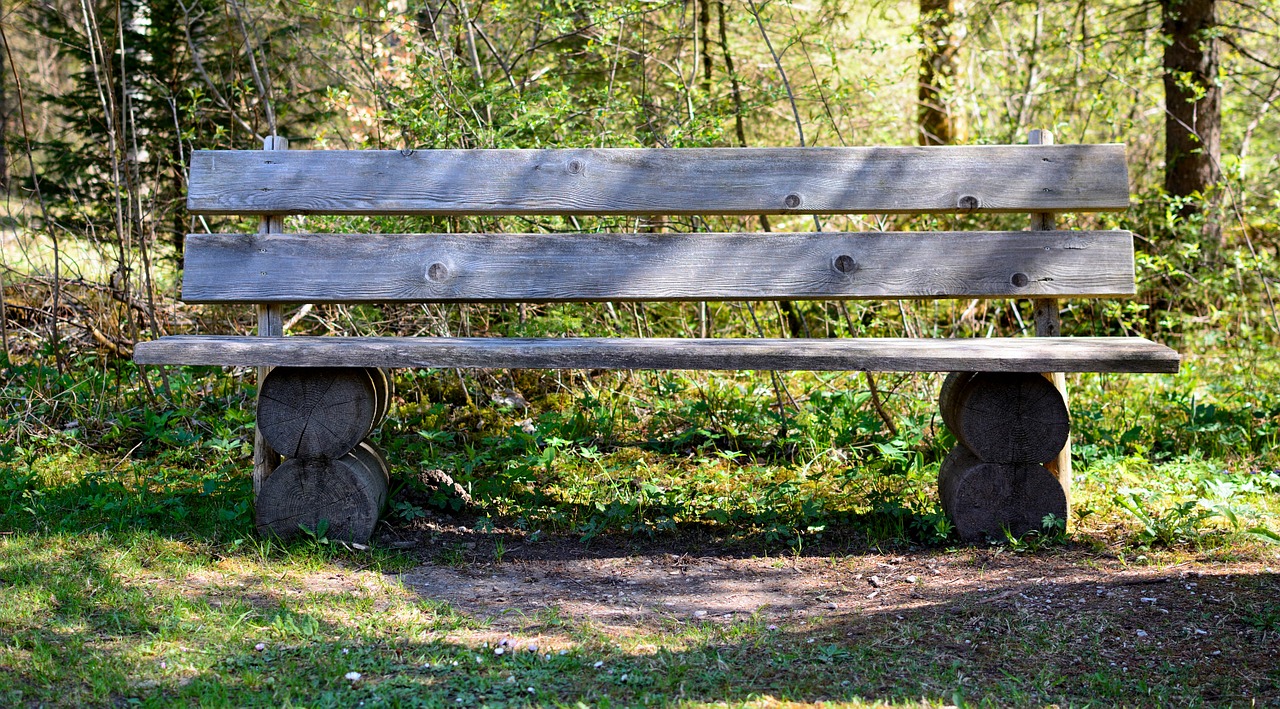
[784, 459]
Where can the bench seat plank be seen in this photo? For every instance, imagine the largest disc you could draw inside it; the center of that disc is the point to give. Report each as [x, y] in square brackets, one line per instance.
[345, 268]
[645, 181]
[1019, 354]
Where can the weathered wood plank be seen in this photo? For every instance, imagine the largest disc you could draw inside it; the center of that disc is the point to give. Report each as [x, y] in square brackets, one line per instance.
[593, 267]
[941, 179]
[1020, 354]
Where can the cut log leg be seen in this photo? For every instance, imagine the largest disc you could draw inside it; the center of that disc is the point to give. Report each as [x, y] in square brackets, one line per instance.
[317, 412]
[383, 390]
[346, 492]
[985, 499]
[1005, 417]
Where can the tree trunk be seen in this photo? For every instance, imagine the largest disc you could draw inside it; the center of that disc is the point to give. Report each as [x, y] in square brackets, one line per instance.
[937, 72]
[1193, 107]
[4, 115]
[704, 22]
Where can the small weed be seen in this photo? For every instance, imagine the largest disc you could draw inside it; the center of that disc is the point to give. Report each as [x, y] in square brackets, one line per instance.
[317, 536]
[1053, 531]
[1266, 619]
[452, 555]
[407, 511]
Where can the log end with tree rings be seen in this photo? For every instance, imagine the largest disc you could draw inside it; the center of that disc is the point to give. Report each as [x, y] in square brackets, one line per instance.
[318, 412]
[383, 389]
[987, 500]
[335, 498]
[1005, 417]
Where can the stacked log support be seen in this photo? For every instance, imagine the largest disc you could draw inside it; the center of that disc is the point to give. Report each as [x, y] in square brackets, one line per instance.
[333, 481]
[1007, 425]
[1005, 417]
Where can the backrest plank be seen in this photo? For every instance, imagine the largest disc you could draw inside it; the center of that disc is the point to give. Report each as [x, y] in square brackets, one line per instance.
[945, 179]
[344, 268]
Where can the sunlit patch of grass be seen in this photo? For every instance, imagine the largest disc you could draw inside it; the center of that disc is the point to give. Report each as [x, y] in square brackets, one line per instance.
[138, 617]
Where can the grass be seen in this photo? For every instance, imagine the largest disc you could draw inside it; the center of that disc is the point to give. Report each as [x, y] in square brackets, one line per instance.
[138, 618]
[130, 574]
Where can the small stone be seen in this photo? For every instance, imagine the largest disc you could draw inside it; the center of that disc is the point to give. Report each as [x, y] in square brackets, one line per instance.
[260, 647]
[599, 664]
[499, 650]
[912, 579]
[532, 647]
[1142, 633]
[875, 581]
[699, 614]
[352, 676]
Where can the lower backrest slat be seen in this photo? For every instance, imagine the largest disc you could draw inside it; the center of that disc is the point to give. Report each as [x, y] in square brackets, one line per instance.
[344, 268]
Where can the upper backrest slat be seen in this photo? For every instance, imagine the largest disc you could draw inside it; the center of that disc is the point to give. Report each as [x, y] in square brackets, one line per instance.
[887, 180]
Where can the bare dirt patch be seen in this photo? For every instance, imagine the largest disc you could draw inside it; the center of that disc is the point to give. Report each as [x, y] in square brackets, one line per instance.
[622, 585]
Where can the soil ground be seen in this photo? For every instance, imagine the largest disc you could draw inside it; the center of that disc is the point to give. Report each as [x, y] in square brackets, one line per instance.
[1210, 617]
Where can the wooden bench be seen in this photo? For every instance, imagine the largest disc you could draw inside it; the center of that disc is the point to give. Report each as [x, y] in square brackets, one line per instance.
[984, 483]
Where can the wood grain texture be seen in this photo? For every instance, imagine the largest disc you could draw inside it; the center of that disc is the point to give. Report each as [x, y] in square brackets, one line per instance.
[944, 179]
[307, 412]
[1017, 354]
[985, 499]
[384, 389]
[612, 267]
[348, 493]
[1005, 417]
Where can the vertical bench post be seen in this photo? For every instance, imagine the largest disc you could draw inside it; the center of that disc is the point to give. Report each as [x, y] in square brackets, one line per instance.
[270, 324]
[1048, 324]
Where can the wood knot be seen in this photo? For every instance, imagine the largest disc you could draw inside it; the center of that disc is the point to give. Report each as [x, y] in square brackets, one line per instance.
[437, 272]
[792, 201]
[845, 264]
[575, 167]
[968, 202]
[1020, 279]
